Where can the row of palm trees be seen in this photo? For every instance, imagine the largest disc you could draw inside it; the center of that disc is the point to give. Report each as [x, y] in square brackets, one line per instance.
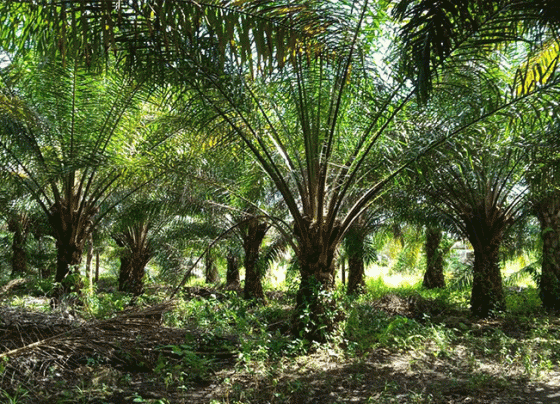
[301, 91]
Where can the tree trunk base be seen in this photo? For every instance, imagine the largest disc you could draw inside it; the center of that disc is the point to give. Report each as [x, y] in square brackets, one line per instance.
[433, 278]
[317, 311]
[487, 292]
[549, 285]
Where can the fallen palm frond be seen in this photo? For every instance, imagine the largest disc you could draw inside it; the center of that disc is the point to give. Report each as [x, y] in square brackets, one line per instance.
[19, 327]
[14, 283]
[128, 338]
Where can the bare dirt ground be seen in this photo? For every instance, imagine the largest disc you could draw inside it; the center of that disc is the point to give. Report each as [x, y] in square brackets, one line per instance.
[386, 377]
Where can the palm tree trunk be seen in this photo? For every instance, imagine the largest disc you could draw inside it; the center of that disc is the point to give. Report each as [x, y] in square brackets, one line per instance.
[232, 273]
[487, 290]
[19, 257]
[485, 230]
[356, 281]
[314, 316]
[548, 213]
[125, 274]
[71, 232]
[433, 278]
[136, 255]
[68, 259]
[18, 225]
[313, 313]
[211, 271]
[251, 244]
[131, 273]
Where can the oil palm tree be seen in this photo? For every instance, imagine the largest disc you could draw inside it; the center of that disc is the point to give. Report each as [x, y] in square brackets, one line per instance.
[313, 126]
[321, 127]
[17, 212]
[536, 130]
[478, 184]
[140, 220]
[540, 138]
[69, 136]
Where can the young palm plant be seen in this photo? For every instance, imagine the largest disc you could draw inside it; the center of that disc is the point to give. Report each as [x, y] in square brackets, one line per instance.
[139, 222]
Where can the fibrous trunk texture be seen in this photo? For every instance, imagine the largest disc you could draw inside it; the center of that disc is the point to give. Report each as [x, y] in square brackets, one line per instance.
[68, 259]
[485, 229]
[136, 255]
[232, 273]
[315, 314]
[548, 213]
[19, 228]
[433, 278]
[131, 273]
[211, 270]
[487, 291]
[355, 244]
[252, 241]
[71, 225]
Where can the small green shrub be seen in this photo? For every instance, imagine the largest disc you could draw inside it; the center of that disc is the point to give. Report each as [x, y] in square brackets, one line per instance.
[368, 327]
[40, 287]
[14, 397]
[102, 305]
[523, 301]
[376, 288]
[188, 369]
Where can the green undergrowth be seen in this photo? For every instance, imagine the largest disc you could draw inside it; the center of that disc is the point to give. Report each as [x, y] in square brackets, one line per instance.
[255, 344]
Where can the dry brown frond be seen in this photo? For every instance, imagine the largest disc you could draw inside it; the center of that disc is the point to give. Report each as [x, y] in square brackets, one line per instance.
[14, 283]
[128, 338]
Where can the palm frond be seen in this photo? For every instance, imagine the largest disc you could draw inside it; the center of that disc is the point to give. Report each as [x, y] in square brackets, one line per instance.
[438, 33]
[272, 253]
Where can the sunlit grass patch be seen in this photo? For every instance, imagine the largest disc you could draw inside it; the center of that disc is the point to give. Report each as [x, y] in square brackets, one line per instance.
[394, 279]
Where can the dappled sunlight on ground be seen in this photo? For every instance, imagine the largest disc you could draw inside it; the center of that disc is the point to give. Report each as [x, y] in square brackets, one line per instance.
[393, 279]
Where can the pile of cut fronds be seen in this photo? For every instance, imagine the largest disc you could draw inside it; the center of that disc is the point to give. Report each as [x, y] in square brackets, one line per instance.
[51, 342]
